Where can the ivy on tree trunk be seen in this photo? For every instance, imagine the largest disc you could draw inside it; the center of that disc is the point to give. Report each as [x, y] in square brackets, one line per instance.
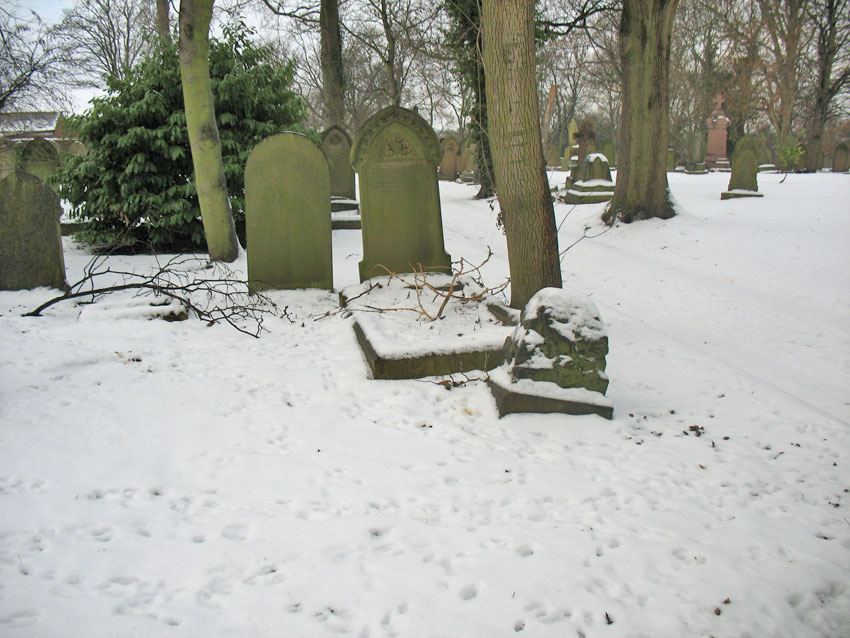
[514, 128]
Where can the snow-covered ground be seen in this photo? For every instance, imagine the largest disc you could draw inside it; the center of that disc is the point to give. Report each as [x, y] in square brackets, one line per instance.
[165, 479]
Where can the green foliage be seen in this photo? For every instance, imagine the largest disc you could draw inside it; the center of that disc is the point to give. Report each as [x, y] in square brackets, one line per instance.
[463, 38]
[789, 152]
[135, 182]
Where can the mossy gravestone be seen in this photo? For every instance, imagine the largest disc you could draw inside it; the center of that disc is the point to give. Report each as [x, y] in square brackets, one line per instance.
[742, 182]
[336, 145]
[592, 183]
[40, 158]
[555, 360]
[287, 225]
[448, 165]
[841, 162]
[30, 241]
[396, 156]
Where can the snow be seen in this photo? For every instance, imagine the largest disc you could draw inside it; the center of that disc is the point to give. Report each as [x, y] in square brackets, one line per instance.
[175, 479]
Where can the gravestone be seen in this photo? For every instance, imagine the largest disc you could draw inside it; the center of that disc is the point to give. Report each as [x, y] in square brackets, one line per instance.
[552, 156]
[586, 139]
[743, 181]
[448, 164]
[555, 359]
[8, 158]
[463, 158]
[396, 156]
[592, 183]
[336, 145]
[671, 160]
[718, 123]
[30, 241]
[40, 158]
[287, 225]
[841, 158]
[572, 129]
[609, 152]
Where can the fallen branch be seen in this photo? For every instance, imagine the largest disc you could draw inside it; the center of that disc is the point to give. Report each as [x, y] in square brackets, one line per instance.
[223, 297]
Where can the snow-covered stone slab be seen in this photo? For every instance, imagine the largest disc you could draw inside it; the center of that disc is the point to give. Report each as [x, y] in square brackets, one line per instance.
[545, 397]
[398, 339]
[347, 219]
[739, 193]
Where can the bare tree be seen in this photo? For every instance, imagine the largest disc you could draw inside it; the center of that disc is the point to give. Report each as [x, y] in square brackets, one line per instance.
[107, 37]
[32, 66]
[831, 22]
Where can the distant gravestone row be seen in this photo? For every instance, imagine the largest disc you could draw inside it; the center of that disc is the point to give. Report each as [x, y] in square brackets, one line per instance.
[288, 192]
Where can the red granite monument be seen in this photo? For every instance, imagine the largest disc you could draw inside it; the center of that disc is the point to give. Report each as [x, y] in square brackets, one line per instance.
[715, 152]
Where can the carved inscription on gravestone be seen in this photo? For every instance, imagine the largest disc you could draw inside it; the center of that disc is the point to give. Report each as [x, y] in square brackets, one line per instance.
[396, 157]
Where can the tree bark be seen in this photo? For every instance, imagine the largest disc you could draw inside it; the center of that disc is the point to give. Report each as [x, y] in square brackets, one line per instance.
[162, 27]
[831, 19]
[514, 129]
[204, 141]
[642, 192]
[332, 73]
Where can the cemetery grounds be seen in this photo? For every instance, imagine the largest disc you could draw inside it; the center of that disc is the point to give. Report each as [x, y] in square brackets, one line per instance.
[175, 479]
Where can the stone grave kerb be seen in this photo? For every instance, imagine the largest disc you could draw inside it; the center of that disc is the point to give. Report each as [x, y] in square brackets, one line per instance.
[396, 156]
[336, 144]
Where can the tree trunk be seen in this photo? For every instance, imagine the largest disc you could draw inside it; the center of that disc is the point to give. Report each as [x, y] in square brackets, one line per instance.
[826, 16]
[220, 232]
[641, 191]
[514, 128]
[162, 27]
[332, 74]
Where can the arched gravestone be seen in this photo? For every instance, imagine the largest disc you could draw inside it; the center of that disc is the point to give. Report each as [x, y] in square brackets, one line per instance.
[40, 158]
[743, 182]
[841, 158]
[337, 147]
[609, 152]
[448, 165]
[287, 225]
[396, 157]
[30, 241]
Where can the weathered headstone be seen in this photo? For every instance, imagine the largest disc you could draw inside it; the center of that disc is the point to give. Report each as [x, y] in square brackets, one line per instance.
[336, 145]
[671, 160]
[30, 241]
[463, 158]
[572, 129]
[609, 152]
[743, 181]
[585, 138]
[396, 156]
[8, 158]
[40, 158]
[287, 225]
[592, 182]
[448, 164]
[841, 158]
[555, 359]
[718, 123]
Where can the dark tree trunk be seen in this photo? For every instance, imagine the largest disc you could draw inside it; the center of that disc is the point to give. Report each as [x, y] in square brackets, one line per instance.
[514, 127]
[332, 74]
[641, 192]
[162, 26]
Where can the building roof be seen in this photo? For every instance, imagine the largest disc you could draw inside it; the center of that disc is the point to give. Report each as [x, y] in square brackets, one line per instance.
[29, 122]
